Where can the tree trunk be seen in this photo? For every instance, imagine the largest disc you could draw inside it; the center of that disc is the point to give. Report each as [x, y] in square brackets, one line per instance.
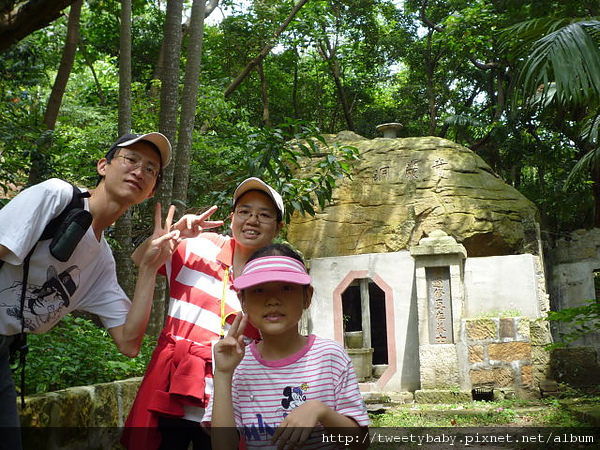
[431, 63]
[595, 175]
[188, 102]
[328, 53]
[169, 103]
[123, 226]
[334, 66]
[125, 68]
[90, 64]
[210, 6]
[264, 95]
[295, 86]
[169, 95]
[58, 90]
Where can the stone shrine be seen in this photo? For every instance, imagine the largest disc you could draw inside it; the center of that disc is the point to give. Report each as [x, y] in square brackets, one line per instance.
[420, 251]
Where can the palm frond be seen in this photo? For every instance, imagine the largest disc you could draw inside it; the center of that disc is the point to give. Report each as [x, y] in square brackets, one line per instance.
[589, 160]
[518, 38]
[462, 121]
[569, 57]
[561, 59]
[591, 128]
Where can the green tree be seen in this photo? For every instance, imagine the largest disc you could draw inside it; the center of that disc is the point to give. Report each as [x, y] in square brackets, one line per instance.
[123, 226]
[39, 163]
[559, 82]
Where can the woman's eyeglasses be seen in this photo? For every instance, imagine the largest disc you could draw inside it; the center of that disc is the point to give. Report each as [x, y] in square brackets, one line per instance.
[262, 216]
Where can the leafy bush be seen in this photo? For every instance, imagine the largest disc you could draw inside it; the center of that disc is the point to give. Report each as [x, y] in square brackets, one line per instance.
[77, 353]
[579, 320]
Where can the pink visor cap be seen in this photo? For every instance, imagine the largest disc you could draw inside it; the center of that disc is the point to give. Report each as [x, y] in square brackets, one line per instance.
[272, 268]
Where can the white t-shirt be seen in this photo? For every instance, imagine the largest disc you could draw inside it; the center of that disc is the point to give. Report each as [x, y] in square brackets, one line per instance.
[87, 281]
[265, 392]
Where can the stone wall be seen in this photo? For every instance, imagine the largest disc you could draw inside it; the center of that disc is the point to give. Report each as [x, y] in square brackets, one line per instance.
[575, 277]
[505, 353]
[87, 417]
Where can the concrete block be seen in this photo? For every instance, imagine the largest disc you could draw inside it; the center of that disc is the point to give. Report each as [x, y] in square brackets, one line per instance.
[441, 396]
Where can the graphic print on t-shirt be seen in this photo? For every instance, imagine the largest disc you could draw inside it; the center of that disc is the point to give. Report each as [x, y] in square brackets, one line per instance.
[44, 303]
[292, 398]
[263, 430]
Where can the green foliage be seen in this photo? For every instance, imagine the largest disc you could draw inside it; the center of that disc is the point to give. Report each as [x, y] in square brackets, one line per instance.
[298, 161]
[20, 129]
[556, 413]
[293, 157]
[562, 53]
[77, 353]
[393, 68]
[579, 320]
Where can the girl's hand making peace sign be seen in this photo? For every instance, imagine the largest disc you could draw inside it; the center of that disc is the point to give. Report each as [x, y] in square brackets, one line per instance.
[191, 225]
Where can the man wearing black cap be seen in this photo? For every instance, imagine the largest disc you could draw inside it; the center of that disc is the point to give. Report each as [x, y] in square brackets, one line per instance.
[34, 301]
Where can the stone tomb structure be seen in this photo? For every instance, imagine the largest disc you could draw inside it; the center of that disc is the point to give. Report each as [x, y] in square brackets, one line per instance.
[437, 262]
[574, 277]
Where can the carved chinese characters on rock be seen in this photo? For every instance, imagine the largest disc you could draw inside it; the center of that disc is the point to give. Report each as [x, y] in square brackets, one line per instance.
[439, 168]
[382, 174]
[411, 171]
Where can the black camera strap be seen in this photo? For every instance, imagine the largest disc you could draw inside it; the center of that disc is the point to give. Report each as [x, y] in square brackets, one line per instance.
[19, 344]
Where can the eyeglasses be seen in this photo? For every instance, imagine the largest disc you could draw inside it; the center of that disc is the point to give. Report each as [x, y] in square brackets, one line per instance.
[262, 216]
[132, 163]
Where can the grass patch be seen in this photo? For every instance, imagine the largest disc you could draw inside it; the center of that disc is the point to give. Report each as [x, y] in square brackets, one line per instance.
[548, 412]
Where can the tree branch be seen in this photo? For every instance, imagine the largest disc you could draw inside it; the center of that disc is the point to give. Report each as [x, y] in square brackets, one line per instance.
[484, 66]
[20, 19]
[265, 50]
[428, 23]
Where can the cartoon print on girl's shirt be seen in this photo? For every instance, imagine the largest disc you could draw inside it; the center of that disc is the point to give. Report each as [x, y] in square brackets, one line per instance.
[292, 398]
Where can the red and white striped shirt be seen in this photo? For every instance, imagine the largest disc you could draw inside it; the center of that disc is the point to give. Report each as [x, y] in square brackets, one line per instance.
[199, 277]
[176, 383]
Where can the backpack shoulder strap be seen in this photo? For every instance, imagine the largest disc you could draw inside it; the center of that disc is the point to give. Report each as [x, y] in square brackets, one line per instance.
[52, 226]
[76, 202]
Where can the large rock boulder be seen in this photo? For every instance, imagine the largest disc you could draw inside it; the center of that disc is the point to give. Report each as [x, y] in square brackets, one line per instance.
[404, 188]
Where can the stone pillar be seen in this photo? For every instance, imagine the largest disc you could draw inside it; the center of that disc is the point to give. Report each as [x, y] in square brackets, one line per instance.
[389, 130]
[439, 262]
[365, 305]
